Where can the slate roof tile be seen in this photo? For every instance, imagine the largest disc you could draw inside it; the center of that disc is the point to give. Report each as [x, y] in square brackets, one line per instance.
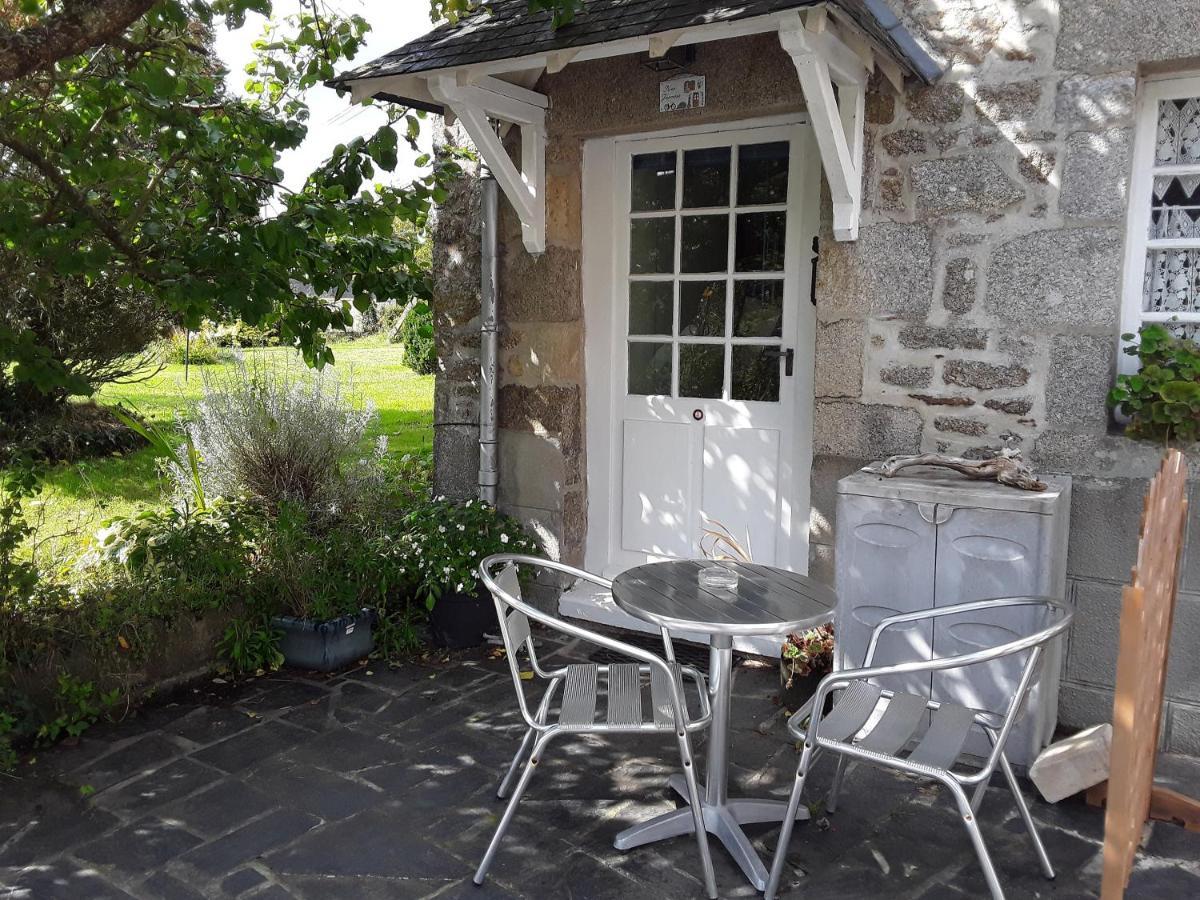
[507, 30]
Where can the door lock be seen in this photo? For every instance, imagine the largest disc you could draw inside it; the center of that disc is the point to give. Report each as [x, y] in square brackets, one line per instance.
[788, 355]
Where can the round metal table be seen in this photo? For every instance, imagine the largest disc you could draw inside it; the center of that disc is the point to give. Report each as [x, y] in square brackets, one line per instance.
[766, 601]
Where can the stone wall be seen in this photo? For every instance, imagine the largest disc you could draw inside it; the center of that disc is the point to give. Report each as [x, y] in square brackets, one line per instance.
[979, 309]
[456, 288]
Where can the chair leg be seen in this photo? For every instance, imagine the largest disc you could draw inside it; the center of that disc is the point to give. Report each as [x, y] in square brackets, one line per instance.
[511, 809]
[836, 790]
[696, 801]
[968, 816]
[506, 782]
[789, 820]
[1023, 808]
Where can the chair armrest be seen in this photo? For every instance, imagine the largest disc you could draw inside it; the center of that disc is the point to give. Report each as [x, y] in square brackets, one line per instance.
[695, 724]
[972, 606]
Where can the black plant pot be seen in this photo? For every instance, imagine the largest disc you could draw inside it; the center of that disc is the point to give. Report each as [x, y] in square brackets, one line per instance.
[801, 690]
[325, 646]
[460, 620]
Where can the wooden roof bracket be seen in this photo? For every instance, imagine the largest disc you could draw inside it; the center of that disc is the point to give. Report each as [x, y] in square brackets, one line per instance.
[473, 101]
[823, 60]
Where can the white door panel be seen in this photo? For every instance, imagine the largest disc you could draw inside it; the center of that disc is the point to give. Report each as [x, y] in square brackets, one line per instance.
[659, 506]
[741, 486]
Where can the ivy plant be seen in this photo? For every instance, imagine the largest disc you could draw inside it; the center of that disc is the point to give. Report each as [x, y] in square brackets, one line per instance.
[1161, 399]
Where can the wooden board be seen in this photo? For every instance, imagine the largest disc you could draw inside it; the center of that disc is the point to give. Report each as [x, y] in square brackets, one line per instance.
[1166, 805]
[1147, 607]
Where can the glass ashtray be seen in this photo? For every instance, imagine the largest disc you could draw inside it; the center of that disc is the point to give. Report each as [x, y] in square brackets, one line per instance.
[718, 577]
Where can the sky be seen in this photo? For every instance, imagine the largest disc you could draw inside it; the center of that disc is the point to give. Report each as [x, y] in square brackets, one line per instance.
[334, 120]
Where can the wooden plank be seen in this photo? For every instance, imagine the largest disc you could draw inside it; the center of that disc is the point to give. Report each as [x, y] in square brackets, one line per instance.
[1166, 805]
[1147, 607]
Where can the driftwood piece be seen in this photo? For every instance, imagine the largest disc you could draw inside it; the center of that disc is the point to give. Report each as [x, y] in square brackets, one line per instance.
[1008, 468]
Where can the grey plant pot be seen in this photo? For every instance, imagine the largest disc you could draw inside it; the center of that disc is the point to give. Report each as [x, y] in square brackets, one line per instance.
[326, 646]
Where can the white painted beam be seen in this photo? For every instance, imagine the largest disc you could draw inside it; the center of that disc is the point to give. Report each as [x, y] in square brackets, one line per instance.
[525, 186]
[558, 60]
[838, 126]
[661, 43]
[504, 88]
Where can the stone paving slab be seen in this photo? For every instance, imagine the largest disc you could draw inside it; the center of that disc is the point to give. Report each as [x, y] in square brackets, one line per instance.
[380, 783]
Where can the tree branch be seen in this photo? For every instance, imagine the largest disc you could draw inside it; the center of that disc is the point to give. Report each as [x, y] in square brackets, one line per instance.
[72, 196]
[79, 26]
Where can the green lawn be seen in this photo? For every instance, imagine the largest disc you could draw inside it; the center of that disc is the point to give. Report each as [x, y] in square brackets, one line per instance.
[79, 496]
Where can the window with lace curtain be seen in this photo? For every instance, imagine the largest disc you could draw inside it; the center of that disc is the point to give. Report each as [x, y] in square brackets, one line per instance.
[1162, 265]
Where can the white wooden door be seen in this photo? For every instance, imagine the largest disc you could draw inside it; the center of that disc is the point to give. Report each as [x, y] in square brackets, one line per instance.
[711, 363]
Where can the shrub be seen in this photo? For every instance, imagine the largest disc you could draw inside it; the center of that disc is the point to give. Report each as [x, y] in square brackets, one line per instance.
[191, 348]
[412, 327]
[240, 334]
[446, 541]
[1162, 399]
[202, 555]
[278, 434]
[93, 326]
[68, 433]
[18, 576]
[251, 646]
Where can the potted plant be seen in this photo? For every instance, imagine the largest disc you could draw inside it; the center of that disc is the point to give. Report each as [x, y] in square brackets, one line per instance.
[805, 659]
[1162, 398]
[444, 543]
[320, 579]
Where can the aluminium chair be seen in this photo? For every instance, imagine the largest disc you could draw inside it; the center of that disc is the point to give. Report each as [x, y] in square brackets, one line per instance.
[870, 724]
[569, 702]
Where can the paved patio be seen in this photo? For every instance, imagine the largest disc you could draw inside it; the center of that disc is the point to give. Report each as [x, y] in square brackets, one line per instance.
[380, 783]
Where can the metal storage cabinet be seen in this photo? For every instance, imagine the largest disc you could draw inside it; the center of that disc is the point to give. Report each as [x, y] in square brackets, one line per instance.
[934, 539]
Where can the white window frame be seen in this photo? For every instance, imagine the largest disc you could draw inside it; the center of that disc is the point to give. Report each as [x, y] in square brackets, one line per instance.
[1137, 224]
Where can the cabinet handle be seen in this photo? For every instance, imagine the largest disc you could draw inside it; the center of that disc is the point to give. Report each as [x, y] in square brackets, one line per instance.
[936, 513]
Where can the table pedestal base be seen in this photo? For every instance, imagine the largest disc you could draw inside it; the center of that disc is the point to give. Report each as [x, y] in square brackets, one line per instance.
[722, 820]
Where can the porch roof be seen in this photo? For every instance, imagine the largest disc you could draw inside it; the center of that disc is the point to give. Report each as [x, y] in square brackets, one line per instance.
[505, 30]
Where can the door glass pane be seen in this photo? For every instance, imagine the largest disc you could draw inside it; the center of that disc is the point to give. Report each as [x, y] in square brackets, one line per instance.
[649, 368]
[704, 245]
[652, 182]
[755, 373]
[652, 245]
[650, 306]
[706, 177]
[701, 370]
[762, 173]
[760, 241]
[702, 308]
[758, 308]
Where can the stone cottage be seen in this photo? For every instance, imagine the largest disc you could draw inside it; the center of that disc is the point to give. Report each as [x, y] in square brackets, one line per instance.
[745, 248]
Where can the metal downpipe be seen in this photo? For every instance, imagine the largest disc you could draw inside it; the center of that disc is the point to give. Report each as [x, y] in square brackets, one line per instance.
[489, 331]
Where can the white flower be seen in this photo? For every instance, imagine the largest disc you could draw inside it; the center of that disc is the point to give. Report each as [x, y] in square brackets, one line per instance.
[446, 570]
[458, 587]
[462, 527]
[472, 552]
[441, 529]
[504, 538]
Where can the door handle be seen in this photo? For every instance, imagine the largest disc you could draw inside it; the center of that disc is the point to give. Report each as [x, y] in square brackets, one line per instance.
[787, 354]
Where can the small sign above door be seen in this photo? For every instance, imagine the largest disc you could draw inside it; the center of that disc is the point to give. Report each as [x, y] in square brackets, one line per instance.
[681, 92]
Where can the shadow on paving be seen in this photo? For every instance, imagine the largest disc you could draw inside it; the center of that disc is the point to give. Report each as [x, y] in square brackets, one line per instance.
[381, 783]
